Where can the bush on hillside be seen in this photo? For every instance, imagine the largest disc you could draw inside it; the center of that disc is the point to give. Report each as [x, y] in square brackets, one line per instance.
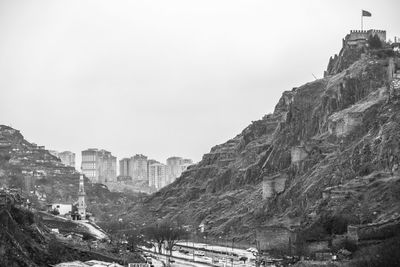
[374, 42]
[337, 224]
[385, 254]
[22, 217]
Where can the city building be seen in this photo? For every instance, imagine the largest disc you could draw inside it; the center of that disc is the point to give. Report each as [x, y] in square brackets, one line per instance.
[99, 165]
[139, 168]
[124, 167]
[157, 175]
[175, 167]
[66, 157]
[185, 163]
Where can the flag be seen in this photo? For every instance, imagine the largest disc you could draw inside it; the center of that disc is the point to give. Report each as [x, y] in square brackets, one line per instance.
[366, 13]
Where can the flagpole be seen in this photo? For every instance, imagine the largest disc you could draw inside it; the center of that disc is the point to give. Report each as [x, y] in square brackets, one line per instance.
[361, 20]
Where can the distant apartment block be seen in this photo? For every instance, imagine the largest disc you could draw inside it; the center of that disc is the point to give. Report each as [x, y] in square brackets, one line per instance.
[185, 163]
[143, 172]
[99, 165]
[125, 167]
[139, 168]
[175, 167]
[157, 175]
[66, 157]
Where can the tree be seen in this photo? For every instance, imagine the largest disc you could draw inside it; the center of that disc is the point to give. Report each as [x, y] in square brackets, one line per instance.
[374, 42]
[165, 232]
[55, 212]
[172, 236]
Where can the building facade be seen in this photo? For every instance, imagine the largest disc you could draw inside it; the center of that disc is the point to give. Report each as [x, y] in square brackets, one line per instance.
[139, 168]
[175, 167]
[124, 167]
[157, 175]
[66, 157]
[99, 165]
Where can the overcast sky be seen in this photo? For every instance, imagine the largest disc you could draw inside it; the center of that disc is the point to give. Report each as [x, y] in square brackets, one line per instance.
[165, 77]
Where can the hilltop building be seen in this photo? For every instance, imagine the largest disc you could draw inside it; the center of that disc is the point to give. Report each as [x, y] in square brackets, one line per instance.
[358, 38]
[99, 165]
[66, 157]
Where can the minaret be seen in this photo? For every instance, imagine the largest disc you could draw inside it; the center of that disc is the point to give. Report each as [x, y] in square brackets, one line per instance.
[81, 199]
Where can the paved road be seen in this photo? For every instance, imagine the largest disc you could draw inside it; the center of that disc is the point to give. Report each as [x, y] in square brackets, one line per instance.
[207, 259]
[223, 260]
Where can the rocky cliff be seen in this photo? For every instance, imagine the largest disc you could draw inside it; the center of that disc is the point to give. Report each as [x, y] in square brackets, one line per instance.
[330, 147]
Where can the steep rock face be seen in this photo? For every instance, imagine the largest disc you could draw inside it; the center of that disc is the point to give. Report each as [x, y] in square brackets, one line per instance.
[334, 131]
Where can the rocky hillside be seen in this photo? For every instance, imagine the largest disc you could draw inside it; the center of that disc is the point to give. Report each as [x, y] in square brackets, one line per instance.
[32, 168]
[330, 147]
[25, 241]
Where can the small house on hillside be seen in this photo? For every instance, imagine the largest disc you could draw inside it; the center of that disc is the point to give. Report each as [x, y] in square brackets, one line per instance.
[63, 209]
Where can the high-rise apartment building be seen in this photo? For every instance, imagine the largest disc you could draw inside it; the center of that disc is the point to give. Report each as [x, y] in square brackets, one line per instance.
[139, 168]
[174, 168]
[185, 163]
[176, 165]
[99, 165]
[157, 175]
[124, 167]
[66, 157]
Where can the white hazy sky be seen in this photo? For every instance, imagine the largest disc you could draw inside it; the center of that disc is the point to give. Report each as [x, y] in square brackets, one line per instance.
[163, 77]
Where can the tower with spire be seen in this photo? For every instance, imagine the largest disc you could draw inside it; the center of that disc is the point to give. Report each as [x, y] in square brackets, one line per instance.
[81, 199]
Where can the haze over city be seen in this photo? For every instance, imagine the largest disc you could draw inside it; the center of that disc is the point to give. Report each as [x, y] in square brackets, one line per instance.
[162, 78]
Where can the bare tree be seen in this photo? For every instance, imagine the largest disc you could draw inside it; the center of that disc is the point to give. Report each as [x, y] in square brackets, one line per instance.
[165, 232]
[172, 236]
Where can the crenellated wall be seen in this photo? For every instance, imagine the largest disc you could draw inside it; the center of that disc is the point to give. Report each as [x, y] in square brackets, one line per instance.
[365, 34]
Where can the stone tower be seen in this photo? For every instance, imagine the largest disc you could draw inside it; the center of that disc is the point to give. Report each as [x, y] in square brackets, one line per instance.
[81, 199]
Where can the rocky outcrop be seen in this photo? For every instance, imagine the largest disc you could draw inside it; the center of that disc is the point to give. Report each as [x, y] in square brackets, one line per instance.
[331, 132]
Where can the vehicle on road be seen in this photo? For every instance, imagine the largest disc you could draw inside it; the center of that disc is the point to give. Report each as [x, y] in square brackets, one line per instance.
[199, 253]
[184, 251]
[252, 250]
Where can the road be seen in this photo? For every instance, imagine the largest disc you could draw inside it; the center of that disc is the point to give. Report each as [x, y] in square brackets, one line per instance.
[158, 261]
[222, 257]
[211, 257]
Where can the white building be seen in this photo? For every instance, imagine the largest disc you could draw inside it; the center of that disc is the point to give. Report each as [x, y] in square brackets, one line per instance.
[63, 209]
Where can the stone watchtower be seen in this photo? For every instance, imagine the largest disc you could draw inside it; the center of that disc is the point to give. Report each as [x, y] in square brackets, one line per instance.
[81, 199]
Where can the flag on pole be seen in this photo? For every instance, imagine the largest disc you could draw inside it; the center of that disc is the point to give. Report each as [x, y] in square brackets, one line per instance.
[366, 13]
